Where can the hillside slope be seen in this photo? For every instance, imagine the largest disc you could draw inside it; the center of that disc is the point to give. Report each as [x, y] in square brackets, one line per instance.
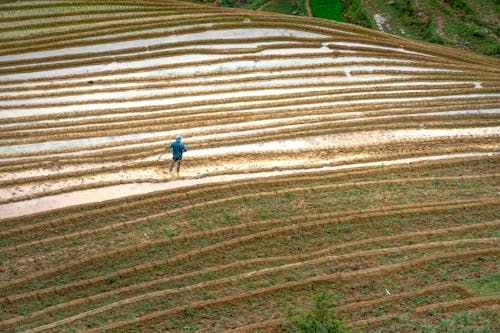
[466, 24]
[320, 155]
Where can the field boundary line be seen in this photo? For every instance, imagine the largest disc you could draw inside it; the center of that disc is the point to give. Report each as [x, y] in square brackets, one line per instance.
[166, 46]
[263, 272]
[249, 225]
[149, 218]
[472, 302]
[371, 272]
[181, 257]
[311, 126]
[432, 232]
[336, 87]
[202, 189]
[349, 308]
[117, 150]
[128, 145]
[268, 126]
[264, 132]
[267, 260]
[363, 92]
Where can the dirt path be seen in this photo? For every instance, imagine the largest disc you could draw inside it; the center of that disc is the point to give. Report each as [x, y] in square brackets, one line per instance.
[308, 8]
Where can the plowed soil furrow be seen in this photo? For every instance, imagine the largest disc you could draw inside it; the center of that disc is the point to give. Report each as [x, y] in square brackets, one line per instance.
[355, 307]
[179, 258]
[321, 157]
[390, 151]
[254, 274]
[142, 286]
[202, 114]
[67, 23]
[90, 229]
[124, 151]
[250, 87]
[272, 134]
[378, 271]
[79, 37]
[481, 164]
[257, 124]
[224, 201]
[469, 303]
[203, 45]
[254, 307]
[54, 246]
[277, 105]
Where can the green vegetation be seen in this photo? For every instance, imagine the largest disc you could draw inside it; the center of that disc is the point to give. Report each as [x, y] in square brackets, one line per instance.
[321, 319]
[484, 321]
[280, 6]
[485, 286]
[256, 4]
[357, 14]
[348, 244]
[465, 24]
[403, 247]
[328, 9]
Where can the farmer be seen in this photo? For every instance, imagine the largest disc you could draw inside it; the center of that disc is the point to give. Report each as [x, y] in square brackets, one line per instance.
[177, 149]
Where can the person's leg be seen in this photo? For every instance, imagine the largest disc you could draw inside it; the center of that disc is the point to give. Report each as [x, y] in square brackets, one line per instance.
[172, 165]
[178, 166]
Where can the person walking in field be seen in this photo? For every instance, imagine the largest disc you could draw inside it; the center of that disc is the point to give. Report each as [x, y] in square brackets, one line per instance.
[177, 149]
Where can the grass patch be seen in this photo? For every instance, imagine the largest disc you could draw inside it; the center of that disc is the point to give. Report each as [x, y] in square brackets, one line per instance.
[280, 6]
[328, 9]
[484, 286]
[356, 13]
[484, 321]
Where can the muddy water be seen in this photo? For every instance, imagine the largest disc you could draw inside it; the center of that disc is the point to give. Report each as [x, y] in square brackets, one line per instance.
[237, 130]
[181, 37]
[266, 89]
[118, 191]
[194, 175]
[378, 47]
[190, 69]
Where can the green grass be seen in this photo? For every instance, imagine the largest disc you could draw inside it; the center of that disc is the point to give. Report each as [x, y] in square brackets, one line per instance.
[357, 14]
[328, 9]
[279, 304]
[295, 243]
[247, 210]
[280, 6]
[256, 4]
[485, 286]
[291, 204]
[465, 24]
[484, 321]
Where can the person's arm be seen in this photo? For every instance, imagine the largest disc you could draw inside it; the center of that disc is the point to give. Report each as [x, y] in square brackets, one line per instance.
[170, 145]
[184, 148]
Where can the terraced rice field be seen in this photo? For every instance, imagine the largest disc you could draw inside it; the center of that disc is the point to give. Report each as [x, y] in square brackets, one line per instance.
[321, 156]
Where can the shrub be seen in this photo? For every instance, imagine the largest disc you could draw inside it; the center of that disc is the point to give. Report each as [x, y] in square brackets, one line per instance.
[357, 14]
[460, 5]
[228, 3]
[322, 318]
[406, 7]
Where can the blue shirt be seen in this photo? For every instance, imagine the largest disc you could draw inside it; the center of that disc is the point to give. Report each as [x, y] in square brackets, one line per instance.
[177, 149]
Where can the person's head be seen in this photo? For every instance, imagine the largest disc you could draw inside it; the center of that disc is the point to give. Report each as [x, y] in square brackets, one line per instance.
[178, 138]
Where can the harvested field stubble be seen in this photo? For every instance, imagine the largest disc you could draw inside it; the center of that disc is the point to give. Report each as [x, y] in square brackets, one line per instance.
[290, 122]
